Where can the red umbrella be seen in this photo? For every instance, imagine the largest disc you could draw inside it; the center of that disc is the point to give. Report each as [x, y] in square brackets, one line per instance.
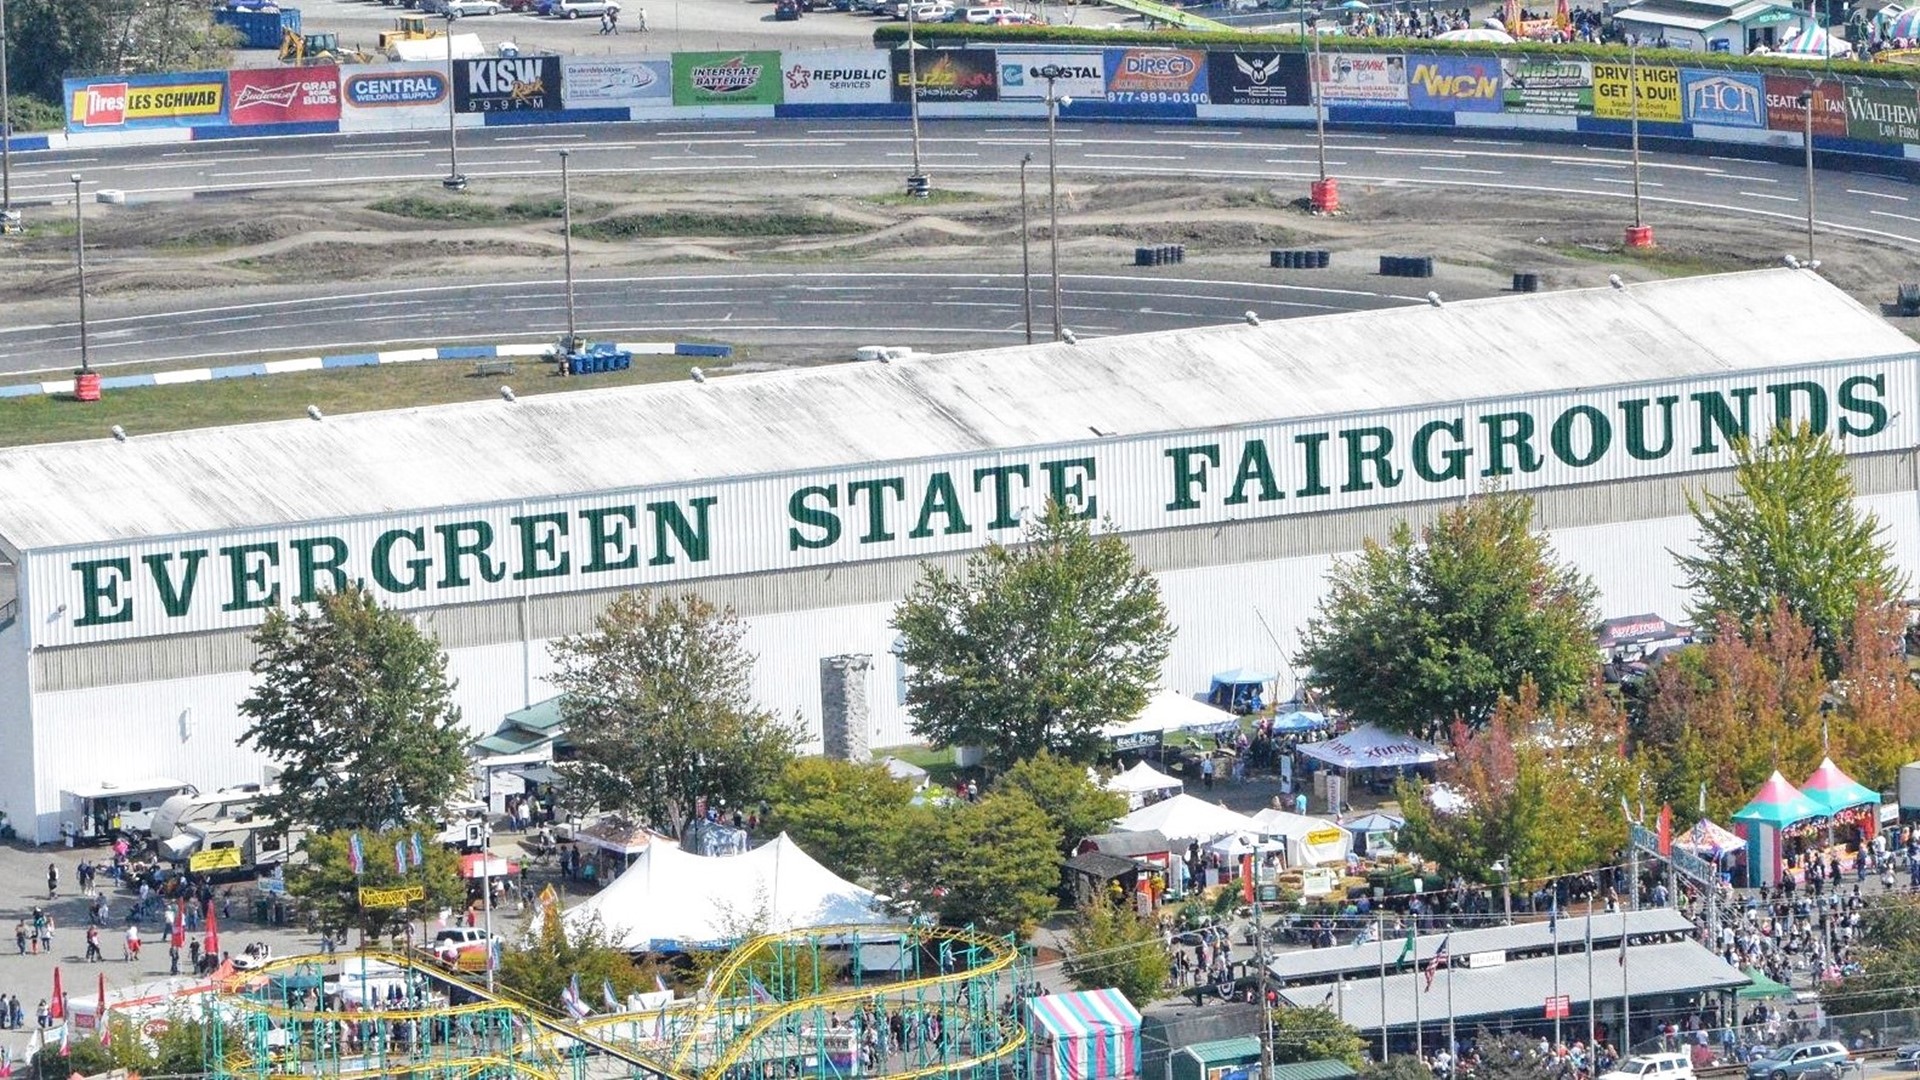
[213, 933]
[486, 864]
[57, 1009]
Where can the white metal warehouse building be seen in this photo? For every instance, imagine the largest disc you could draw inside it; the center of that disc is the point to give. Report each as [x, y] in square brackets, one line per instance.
[1239, 460]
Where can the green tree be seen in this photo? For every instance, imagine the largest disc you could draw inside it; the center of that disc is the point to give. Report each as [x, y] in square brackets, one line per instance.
[1439, 625]
[1789, 532]
[329, 887]
[1398, 1067]
[177, 1049]
[541, 967]
[1034, 647]
[1076, 805]
[992, 863]
[658, 709]
[1887, 954]
[49, 39]
[1505, 1056]
[353, 703]
[1111, 945]
[1316, 1034]
[843, 814]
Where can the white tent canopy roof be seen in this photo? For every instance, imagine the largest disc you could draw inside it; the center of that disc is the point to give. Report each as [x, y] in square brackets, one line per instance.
[1184, 817]
[1170, 711]
[1143, 778]
[1311, 841]
[671, 896]
[1369, 747]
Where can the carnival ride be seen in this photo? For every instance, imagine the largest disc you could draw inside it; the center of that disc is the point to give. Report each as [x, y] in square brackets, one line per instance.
[833, 1003]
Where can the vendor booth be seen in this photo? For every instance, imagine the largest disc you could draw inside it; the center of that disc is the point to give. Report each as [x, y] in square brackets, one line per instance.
[1085, 1035]
[1144, 785]
[1710, 841]
[1374, 833]
[1184, 818]
[1369, 747]
[1241, 690]
[1853, 807]
[1309, 841]
[1168, 711]
[1764, 824]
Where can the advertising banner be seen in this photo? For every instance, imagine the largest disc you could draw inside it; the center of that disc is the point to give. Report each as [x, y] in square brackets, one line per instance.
[1082, 74]
[1258, 78]
[1659, 92]
[1725, 98]
[122, 102]
[283, 95]
[1453, 83]
[1363, 79]
[1561, 87]
[836, 77]
[500, 84]
[385, 97]
[1156, 76]
[726, 78]
[1883, 113]
[948, 75]
[1785, 113]
[590, 83]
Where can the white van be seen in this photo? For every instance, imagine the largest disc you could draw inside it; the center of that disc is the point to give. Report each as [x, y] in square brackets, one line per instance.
[1652, 1067]
[987, 16]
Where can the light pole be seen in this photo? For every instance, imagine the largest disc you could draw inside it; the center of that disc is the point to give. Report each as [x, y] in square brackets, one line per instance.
[6, 121]
[1807, 103]
[1640, 235]
[86, 385]
[1051, 73]
[566, 227]
[453, 180]
[1325, 195]
[917, 185]
[1026, 264]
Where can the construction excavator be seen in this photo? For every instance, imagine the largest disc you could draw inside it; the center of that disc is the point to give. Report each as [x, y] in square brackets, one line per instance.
[408, 28]
[303, 49]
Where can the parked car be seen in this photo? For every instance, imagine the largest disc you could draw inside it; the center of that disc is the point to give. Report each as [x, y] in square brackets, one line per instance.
[1652, 1067]
[573, 9]
[460, 8]
[786, 10]
[1908, 1056]
[985, 16]
[1822, 1059]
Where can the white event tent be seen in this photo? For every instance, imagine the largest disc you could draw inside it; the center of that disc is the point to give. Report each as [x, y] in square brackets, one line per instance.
[1141, 782]
[671, 899]
[1169, 711]
[1311, 841]
[1369, 747]
[1184, 817]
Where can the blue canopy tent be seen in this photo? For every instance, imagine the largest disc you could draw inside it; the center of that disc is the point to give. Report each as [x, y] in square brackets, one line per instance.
[1299, 720]
[1240, 690]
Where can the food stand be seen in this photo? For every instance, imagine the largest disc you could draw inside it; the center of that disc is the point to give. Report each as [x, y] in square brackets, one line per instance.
[1765, 824]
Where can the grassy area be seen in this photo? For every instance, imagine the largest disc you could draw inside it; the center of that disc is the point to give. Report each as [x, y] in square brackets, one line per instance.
[466, 210]
[701, 223]
[1671, 263]
[148, 409]
[934, 197]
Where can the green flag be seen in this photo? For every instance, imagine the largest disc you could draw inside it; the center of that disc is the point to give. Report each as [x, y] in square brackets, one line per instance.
[1407, 949]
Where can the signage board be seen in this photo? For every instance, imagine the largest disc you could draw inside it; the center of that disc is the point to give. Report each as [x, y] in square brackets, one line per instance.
[1724, 98]
[1324, 836]
[220, 858]
[283, 95]
[1785, 113]
[1486, 959]
[1362, 78]
[948, 75]
[836, 77]
[123, 102]
[1258, 78]
[726, 78]
[1318, 881]
[1883, 113]
[1659, 92]
[1156, 76]
[1559, 1007]
[502, 84]
[608, 83]
[656, 536]
[1685, 862]
[385, 97]
[1560, 87]
[1081, 74]
[398, 896]
[1454, 83]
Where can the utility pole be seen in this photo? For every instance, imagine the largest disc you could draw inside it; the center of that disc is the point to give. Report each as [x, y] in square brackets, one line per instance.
[1260, 957]
[1026, 264]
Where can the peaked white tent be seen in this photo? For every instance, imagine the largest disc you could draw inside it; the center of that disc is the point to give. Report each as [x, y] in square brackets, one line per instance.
[1184, 817]
[669, 898]
[1369, 747]
[1168, 711]
[1311, 841]
[1142, 782]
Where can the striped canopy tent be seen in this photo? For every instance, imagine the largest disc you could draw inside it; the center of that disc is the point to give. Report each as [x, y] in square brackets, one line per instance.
[1709, 841]
[1777, 805]
[1814, 41]
[1093, 1035]
[1901, 24]
[1833, 791]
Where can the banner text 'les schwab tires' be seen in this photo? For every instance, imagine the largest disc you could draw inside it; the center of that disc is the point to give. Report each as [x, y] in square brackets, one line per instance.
[191, 99]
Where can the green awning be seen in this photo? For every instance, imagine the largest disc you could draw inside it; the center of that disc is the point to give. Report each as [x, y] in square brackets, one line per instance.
[1314, 1070]
[1763, 987]
[510, 741]
[1221, 1051]
[539, 716]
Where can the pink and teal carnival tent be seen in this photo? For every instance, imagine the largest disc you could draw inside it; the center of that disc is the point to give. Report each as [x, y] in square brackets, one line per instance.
[1777, 806]
[1086, 1035]
[1835, 793]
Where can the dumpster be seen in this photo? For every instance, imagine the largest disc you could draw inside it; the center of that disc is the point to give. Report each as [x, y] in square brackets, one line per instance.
[260, 27]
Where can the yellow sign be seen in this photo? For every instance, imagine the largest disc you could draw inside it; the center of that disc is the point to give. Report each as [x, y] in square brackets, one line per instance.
[1323, 836]
[166, 102]
[221, 858]
[1659, 92]
[396, 897]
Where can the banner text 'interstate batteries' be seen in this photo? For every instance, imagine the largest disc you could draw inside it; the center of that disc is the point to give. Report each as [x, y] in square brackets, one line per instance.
[122, 102]
[726, 78]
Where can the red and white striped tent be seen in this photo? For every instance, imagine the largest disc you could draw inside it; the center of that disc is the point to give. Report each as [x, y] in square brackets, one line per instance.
[1085, 1035]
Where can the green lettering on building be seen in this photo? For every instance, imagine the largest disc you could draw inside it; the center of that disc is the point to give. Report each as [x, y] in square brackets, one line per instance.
[801, 509]
[309, 565]
[1455, 457]
[1190, 464]
[176, 597]
[693, 537]
[609, 533]
[247, 576]
[1596, 439]
[875, 492]
[102, 600]
[386, 575]
[940, 498]
[1067, 486]
[1004, 514]
[1254, 469]
[463, 540]
[1636, 413]
[540, 554]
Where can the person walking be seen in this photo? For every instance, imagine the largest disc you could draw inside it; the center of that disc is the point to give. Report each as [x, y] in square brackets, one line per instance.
[613, 22]
[93, 945]
[133, 943]
[20, 936]
[53, 881]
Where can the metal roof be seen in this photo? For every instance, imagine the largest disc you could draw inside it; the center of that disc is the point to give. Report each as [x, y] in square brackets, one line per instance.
[556, 445]
[1521, 988]
[1320, 965]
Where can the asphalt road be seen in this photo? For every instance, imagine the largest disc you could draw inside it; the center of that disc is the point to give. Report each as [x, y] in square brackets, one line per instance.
[950, 309]
[1853, 199]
